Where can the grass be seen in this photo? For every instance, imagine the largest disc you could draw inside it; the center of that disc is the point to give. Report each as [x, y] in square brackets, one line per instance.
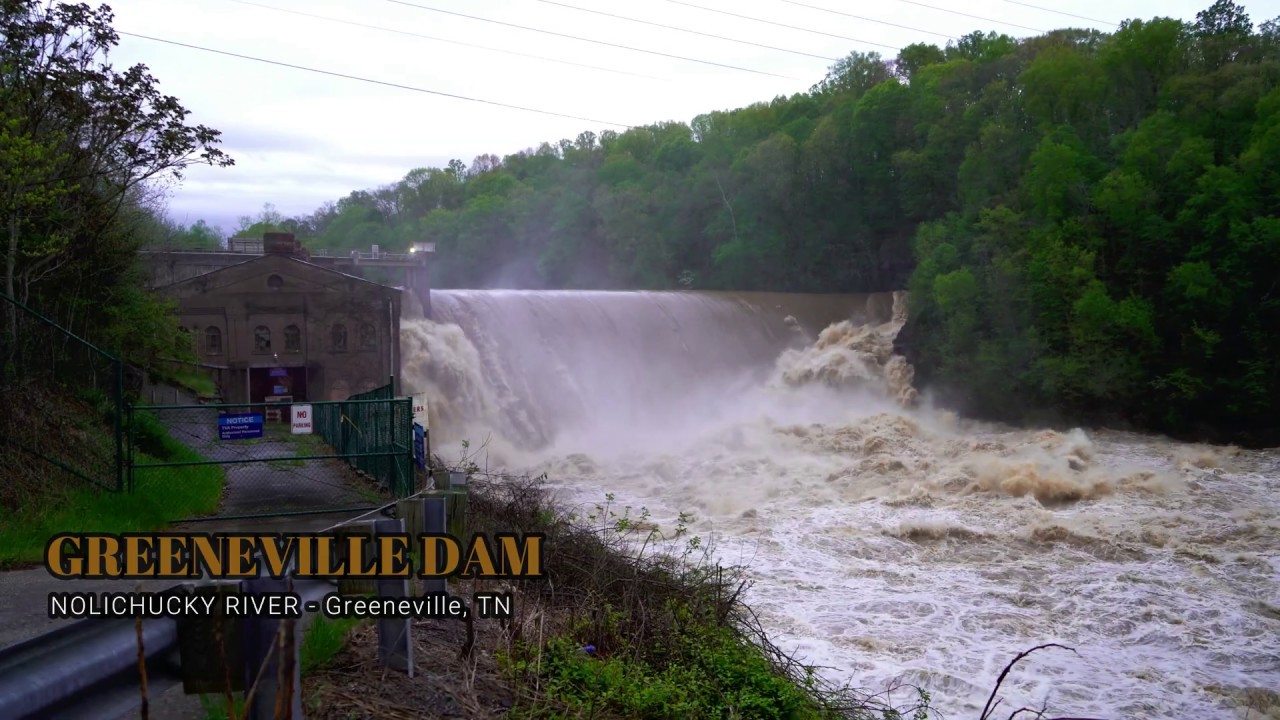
[323, 640]
[159, 497]
[194, 380]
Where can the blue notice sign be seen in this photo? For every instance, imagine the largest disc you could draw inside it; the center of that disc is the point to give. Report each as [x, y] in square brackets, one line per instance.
[419, 446]
[240, 426]
[279, 372]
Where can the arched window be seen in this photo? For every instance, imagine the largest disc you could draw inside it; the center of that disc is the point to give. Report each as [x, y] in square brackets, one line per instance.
[262, 339]
[339, 337]
[292, 339]
[212, 340]
[275, 282]
[368, 337]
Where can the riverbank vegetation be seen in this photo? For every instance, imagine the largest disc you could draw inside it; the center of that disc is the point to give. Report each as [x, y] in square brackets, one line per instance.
[1087, 220]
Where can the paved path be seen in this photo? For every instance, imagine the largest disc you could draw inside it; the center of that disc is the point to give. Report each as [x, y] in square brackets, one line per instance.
[254, 488]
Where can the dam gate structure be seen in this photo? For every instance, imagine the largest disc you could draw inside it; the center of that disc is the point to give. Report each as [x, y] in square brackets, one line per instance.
[409, 270]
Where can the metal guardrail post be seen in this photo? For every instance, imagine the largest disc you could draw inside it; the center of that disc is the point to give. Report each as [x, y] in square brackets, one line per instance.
[119, 422]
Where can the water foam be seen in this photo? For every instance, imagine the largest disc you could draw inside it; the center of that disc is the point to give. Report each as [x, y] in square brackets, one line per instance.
[889, 541]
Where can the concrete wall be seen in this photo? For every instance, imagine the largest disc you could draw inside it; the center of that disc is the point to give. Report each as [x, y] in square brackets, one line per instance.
[282, 294]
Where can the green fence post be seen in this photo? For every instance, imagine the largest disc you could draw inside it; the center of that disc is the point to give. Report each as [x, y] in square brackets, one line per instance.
[119, 418]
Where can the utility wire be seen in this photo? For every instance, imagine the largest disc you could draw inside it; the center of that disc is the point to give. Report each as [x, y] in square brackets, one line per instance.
[684, 30]
[771, 22]
[444, 40]
[375, 82]
[1059, 12]
[859, 17]
[597, 42]
[975, 17]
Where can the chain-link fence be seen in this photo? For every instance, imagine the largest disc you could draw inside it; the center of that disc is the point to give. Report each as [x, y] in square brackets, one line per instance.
[374, 431]
[273, 459]
[61, 403]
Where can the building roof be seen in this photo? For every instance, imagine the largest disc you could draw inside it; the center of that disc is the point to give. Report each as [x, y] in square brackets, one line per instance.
[285, 262]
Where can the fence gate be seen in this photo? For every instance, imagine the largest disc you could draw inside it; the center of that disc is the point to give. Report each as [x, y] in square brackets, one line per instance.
[259, 460]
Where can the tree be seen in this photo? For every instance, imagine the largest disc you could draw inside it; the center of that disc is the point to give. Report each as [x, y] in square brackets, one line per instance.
[1087, 222]
[79, 140]
[1223, 30]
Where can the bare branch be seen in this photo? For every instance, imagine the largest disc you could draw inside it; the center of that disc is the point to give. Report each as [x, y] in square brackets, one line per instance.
[989, 707]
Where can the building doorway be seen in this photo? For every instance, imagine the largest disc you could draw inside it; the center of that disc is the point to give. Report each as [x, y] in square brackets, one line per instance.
[278, 384]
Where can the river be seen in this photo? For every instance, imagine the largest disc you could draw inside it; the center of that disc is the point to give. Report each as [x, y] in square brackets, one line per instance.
[888, 540]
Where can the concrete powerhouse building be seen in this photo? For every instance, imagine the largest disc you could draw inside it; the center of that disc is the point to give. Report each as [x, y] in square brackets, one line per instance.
[280, 328]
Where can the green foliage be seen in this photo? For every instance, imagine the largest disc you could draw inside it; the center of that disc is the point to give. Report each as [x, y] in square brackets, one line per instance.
[83, 145]
[140, 327]
[159, 498]
[324, 639]
[1106, 276]
[705, 671]
[1087, 221]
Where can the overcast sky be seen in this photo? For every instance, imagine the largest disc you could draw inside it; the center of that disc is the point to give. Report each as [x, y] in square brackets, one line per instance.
[300, 138]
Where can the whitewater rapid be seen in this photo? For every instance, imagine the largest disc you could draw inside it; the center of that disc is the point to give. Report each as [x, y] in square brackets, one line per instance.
[888, 542]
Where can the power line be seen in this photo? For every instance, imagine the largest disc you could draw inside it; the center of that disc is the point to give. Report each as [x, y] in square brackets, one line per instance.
[1059, 12]
[859, 17]
[680, 29]
[597, 42]
[375, 82]
[975, 17]
[770, 22]
[444, 40]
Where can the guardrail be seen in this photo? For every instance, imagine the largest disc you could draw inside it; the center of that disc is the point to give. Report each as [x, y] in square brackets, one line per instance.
[326, 253]
[109, 667]
[92, 668]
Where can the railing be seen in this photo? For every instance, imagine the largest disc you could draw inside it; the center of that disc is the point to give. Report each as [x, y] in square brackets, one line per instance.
[91, 668]
[375, 437]
[95, 667]
[327, 253]
[361, 255]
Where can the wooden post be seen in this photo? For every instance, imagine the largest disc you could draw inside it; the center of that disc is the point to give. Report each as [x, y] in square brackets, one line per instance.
[433, 522]
[411, 512]
[211, 648]
[395, 639]
[354, 586]
[459, 496]
[264, 663]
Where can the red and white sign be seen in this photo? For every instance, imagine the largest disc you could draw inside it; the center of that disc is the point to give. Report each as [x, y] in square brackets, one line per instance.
[301, 415]
[420, 409]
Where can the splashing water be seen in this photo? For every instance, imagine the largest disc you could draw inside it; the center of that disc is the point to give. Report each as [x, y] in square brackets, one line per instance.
[888, 540]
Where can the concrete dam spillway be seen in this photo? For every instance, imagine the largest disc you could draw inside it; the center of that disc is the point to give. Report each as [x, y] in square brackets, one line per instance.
[888, 540]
